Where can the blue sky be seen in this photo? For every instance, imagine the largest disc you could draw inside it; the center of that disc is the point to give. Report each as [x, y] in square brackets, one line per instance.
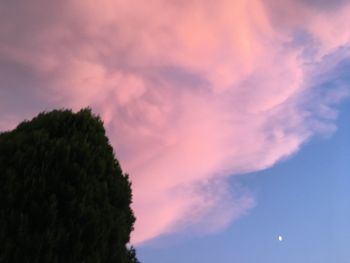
[305, 198]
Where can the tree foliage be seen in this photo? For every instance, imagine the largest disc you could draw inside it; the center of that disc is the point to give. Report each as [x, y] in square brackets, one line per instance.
[63, 195]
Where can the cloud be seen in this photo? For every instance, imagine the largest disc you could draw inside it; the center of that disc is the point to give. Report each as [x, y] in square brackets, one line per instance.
[191, 92]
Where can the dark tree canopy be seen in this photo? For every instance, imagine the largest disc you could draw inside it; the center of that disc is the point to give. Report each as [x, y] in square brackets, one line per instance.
[63, 195]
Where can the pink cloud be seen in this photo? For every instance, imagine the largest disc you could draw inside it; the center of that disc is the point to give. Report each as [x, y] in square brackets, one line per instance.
[191, 92]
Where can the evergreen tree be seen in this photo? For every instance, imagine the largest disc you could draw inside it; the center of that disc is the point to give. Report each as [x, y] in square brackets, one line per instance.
[63, 195]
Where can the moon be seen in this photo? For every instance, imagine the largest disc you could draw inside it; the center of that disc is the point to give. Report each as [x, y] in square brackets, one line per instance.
[280, 238]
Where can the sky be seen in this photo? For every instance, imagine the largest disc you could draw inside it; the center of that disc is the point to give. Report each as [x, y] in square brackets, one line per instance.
[305, 199]
[211, 107]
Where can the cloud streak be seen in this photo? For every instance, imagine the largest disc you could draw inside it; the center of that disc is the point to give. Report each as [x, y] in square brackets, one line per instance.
[191, 92]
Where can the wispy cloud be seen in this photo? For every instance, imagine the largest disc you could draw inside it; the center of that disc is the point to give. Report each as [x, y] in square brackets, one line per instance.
[190, 91]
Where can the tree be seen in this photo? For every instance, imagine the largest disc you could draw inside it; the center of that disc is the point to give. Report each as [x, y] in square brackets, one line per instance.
[63, 195]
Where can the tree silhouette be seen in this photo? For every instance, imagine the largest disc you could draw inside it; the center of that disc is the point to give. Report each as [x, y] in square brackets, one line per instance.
[63, 195]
